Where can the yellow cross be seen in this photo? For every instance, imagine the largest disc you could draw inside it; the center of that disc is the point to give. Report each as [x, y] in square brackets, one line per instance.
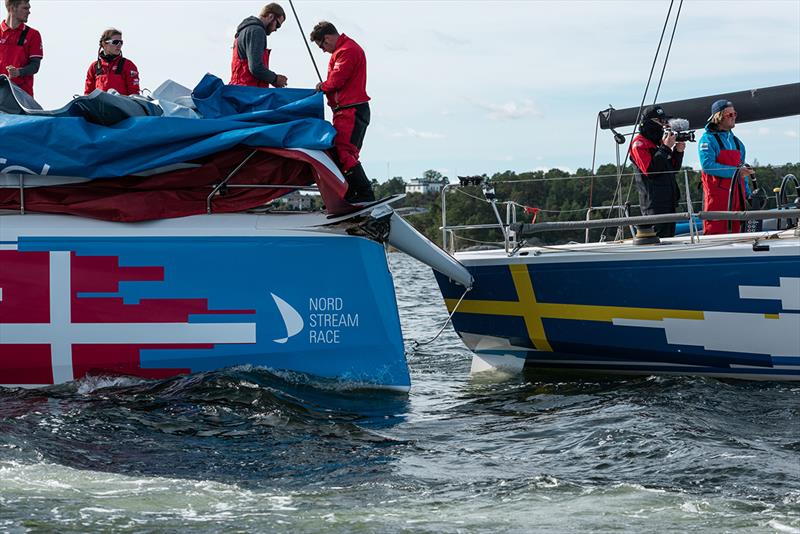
[533, 312]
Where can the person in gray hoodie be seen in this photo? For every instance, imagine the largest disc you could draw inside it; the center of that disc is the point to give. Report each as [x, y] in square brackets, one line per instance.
[250, 60]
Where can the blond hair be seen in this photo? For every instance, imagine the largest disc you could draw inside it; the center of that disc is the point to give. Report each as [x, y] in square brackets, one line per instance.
[717, 117]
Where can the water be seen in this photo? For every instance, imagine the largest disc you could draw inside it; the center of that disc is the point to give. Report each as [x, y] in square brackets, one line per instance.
[246, 450]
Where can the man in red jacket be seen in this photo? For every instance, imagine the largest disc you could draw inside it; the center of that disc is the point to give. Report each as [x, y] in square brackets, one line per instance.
[20, 46]
[346, 90]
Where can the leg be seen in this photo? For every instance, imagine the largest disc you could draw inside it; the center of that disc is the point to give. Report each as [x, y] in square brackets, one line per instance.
[347, 153]
[715, 198]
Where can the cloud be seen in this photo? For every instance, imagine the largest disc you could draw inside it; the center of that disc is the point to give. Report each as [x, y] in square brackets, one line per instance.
[567, 170]
[411, 132]
[395, 47]
[791, 133]
[450, 39]
[510, 110]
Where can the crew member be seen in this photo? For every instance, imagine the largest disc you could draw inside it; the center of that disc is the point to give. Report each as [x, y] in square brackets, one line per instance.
[20, 46]
[656, 158]
[721, 157]
[111, 70]
[346, 90]
[250, 60]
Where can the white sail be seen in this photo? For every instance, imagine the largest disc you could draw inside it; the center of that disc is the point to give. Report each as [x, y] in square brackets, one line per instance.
[292, 319]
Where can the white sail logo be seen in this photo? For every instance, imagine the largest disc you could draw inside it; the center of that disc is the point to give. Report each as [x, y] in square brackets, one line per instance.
[293, 321]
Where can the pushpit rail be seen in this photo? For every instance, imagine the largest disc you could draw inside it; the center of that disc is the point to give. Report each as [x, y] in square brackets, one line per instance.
[513, 232]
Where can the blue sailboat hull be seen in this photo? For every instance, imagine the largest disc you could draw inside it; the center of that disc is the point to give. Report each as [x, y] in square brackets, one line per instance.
[179, 296]
[722, 309]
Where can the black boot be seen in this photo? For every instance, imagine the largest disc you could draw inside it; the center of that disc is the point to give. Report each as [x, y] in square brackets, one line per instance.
[359, 188]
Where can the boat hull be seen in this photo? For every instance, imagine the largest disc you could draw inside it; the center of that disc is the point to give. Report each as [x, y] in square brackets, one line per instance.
[722, 309]
[195, 294]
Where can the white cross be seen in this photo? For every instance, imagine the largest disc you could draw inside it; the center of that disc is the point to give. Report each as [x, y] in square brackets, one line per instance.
[61, 333]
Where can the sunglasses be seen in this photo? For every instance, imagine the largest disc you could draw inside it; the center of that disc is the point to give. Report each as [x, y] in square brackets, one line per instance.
[321, 43]
[115, 42]
[730, 114]
[278, 23]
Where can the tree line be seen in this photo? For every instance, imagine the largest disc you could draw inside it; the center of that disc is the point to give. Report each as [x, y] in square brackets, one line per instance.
[558, 195]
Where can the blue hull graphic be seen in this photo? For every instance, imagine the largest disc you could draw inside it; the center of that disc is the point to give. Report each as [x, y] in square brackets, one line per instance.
[704, 314]
[156, 306]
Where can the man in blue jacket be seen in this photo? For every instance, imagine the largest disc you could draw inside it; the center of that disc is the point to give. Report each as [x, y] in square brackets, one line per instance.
[722, 156]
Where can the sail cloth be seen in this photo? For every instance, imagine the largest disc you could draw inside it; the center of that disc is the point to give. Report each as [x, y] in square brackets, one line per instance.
[122, 160]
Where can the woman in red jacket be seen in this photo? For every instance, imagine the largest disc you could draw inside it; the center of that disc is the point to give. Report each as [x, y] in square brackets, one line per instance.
[111, 70]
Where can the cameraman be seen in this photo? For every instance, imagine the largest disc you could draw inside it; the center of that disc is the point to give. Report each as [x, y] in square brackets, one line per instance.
[656, 158]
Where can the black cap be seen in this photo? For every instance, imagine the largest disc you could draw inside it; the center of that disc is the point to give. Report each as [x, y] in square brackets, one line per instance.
[654, 112]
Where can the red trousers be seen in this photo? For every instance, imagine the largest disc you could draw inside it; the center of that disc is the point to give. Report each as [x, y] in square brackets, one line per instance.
[715, 198]
[351, 126]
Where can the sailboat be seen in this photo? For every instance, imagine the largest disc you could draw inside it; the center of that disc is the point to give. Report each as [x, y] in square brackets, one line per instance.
[722, 305]
[136, 239]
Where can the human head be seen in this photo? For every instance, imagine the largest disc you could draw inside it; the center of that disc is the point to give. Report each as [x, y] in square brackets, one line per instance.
[106, 44]
[319, 35]
[723, 114]
[18, 10]
[272, 16]
[654, 119]
[655, 113]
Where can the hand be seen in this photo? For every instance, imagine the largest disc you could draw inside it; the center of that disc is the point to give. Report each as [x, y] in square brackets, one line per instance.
[318, 87]
[747, 171]
[669, 139]
[280, 81]
[13, 72]
[680, 147]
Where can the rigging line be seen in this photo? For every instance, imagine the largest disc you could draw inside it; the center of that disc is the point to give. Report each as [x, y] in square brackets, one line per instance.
[661, 78]
[431, 340]
[650, 77]
[647, 87]
[594, 156]
[644, 97]
[666, 58]
[303, 37]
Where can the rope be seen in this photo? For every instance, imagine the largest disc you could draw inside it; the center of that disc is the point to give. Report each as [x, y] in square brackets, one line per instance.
[594, 158]
[639, 113]
[303, 37]
[418, 344]
[674, 27]
[661, 78]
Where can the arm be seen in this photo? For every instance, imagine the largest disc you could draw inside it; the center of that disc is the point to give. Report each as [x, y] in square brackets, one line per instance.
[131, 78]
[340, 74]
[253, 41]
[677, 159]
[650, 159]
[31, 68]
[91, 81]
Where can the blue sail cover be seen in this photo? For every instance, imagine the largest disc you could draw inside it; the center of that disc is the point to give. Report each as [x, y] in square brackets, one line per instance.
[66, 144]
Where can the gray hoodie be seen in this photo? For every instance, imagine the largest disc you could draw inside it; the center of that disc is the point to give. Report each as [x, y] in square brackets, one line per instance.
[251, 41]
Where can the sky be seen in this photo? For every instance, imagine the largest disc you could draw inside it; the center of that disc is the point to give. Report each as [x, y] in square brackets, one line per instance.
[464, 87]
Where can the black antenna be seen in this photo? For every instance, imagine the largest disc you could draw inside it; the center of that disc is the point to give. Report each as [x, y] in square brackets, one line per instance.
[303, 36]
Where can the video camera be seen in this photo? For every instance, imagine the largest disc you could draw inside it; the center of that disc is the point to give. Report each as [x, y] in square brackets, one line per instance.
[680, 127]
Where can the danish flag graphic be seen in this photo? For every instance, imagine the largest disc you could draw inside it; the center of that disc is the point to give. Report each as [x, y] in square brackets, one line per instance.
[53, 330]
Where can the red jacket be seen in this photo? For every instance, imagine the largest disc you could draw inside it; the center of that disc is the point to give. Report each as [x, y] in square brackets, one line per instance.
[120, 74]
[18, 54]
[347, 74]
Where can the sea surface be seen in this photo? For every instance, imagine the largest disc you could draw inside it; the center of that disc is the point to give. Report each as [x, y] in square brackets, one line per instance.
[245, 450]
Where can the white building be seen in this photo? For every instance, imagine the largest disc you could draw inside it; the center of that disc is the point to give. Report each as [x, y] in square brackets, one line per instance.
[296, 201]
[425, 186]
